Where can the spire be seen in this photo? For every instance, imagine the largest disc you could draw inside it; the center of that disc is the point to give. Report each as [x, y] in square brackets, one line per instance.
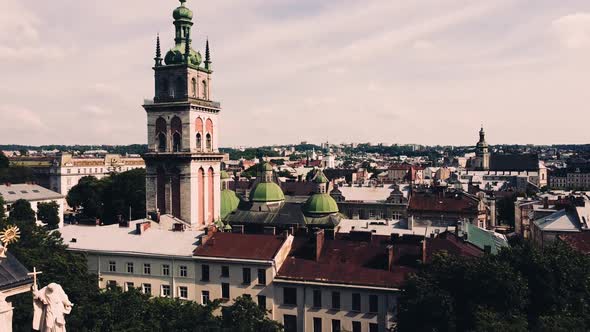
[187, 48]
[207, 56]
[158, 57]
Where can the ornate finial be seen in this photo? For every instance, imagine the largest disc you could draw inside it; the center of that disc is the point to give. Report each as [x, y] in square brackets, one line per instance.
[187, 48]
[158, 57]
[8, 236]
[207, 56]
[182, 2]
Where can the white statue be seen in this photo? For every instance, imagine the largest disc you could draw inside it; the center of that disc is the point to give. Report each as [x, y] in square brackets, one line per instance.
[50, 304]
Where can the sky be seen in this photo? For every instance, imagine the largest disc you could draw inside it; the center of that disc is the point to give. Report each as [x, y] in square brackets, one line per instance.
[380, 71]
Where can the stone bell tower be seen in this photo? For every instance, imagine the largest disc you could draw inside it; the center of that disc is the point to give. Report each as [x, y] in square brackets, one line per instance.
[183, 161]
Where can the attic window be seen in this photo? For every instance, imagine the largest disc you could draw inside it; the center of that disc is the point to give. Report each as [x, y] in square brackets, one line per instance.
[12, 193]
[24, 191]
[36, 191]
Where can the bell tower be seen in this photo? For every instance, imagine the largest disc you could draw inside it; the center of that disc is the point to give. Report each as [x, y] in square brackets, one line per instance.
[183, 161]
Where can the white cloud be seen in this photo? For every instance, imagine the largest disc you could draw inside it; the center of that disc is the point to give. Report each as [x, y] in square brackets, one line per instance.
[573, 30]
[393, 71]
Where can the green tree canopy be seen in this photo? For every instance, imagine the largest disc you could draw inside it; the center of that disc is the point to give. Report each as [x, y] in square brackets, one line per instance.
[21, 210]
[48, 213]
[520, 289]
[244, 315]
[111, 196]
[4, 162]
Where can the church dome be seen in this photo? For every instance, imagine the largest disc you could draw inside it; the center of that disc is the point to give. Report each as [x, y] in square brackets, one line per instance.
[267, 192]
[176, 56]
[266, 167]
[229, 202]
[320, 204]
[224, 175]
[320, 178]
[182, 12]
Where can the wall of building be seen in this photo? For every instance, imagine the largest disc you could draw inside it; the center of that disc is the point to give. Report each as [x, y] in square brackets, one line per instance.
[305, 311]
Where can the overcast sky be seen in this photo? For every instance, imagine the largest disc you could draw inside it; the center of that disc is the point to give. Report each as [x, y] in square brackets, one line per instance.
[391, 71]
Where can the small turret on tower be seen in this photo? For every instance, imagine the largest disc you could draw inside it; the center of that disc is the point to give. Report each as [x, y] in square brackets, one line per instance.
[207, 56]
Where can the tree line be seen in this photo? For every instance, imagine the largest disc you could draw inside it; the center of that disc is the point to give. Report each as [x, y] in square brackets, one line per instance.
[119, 195]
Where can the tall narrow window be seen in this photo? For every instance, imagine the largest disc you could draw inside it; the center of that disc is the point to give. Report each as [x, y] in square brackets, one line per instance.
[209, 142]
[194, 87]
[205, 94]
[199, 142]
[161, 129]
[176, 129]
[177, 144]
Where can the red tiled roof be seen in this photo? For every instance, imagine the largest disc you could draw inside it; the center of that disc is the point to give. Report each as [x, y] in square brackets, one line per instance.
[400, 167]
[578, 241]
[241, 246]
[344, 262]
[452, 245]
[442, 203]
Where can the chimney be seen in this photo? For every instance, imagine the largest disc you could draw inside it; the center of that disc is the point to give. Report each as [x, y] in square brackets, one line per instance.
[424, 250]
[140, 228]
[390, 257]
[545, 203]
[319, 244]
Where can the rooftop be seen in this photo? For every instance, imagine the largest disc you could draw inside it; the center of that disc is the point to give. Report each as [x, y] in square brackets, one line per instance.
[158, 240]
[30, 192]
[439, 202]
[241, 246]
[13, 273]
[343, 262]
[560, 221]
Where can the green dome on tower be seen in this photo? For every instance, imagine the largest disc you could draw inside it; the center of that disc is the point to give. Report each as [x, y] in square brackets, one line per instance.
[320, 204]
[224, 175]
[182, 12]
[267, 192]
[266, 167]
[321, 178]
[229, 202]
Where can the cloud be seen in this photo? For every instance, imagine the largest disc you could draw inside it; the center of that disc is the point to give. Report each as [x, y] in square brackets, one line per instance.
[573, 30]
[292, 70]
[14, 116]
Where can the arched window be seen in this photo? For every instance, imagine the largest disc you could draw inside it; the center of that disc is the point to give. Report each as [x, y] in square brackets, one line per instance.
[176, 128]
[209, 145]
[205, 94]
[194, 87]
[176, 146]
[199, 142]
[161, 130]
[162, 142]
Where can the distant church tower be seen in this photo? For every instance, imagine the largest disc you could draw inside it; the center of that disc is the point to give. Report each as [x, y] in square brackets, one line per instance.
[482, 152]
[183, 161]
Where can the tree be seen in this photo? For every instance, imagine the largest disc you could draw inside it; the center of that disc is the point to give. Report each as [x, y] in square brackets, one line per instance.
[4, 162]
[48, 213]
[244, 315]
[122, 192]
[87, 194]
[522, 288]
[22, 211]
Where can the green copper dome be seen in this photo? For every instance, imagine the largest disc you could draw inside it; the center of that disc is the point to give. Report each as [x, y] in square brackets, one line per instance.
[176, 56]
[182, 13]
[267, 192]
[267, 167]
[229, 202]
[320, 178]
[223, 175]
[320, 204]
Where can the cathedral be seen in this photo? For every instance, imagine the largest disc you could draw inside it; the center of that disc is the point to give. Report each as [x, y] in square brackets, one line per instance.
[183, 161]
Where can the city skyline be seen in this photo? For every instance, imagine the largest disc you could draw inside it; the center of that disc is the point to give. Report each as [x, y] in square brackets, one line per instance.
[408, 72]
